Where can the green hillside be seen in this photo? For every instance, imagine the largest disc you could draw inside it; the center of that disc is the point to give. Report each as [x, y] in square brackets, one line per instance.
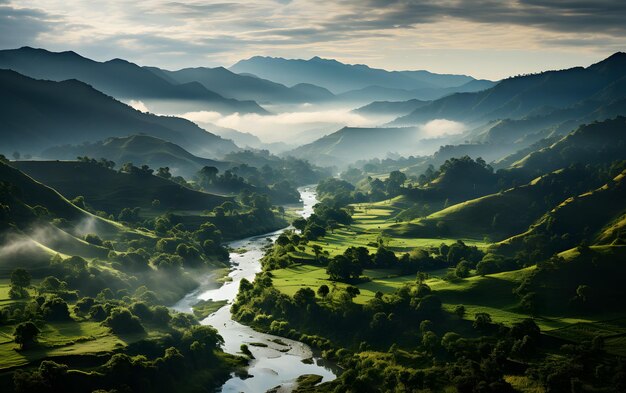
[579, 218]
[503, 214]
[111, 191]
[140, 150]
[598, 142]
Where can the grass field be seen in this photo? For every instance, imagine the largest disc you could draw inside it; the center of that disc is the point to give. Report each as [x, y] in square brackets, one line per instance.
[491, 294]
[59, 339]
[371, 220]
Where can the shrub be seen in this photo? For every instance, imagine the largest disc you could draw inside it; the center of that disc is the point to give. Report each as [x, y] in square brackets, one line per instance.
[121, 321]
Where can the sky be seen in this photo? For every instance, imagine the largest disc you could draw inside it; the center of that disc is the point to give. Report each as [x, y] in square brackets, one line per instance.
[489, 39]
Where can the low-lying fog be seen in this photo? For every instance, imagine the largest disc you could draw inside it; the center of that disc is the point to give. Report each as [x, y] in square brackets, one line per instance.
[296, 125]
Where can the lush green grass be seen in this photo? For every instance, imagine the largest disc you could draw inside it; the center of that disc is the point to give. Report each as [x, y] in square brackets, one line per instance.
[59, 339]
[524, 384]
[5, 286]
[371, 222]
[290, 279]
[204, 308]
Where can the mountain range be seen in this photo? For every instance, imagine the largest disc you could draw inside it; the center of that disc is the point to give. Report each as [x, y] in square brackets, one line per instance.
[528, 95]
[342, 78]
[245, 87]
[119, 78]
[38, 114]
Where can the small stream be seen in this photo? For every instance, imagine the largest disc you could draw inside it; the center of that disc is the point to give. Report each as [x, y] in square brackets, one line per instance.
[276, 365]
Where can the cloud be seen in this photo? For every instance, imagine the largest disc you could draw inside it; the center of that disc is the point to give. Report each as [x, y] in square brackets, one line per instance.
[441, 127]
[392, 34]
[22, 25]
[138, 105]
[288, 126]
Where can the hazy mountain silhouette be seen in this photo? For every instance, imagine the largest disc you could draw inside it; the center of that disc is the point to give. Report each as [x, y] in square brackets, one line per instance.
[526, 95]
[244, 87]
[358, 143]
[119, 78]
[340, 78]
[40, 114]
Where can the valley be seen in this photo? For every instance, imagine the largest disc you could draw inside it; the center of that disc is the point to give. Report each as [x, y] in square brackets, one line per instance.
[178, 216]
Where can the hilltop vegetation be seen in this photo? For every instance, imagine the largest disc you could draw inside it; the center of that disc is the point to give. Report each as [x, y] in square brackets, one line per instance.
[140, 150]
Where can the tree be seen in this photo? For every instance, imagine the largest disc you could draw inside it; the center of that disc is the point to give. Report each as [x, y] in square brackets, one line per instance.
[94, 239]
[20, 281]
[353, 291]
[462, 269]
[323, 291]
[25, 334]
[430, 341]
[299, 223]
[20, 278]
[304, 296]
[164, 172]
[207, 175]
[55, 309]
[317, 250]
[121, 321]
[481, 320]
[341, 268]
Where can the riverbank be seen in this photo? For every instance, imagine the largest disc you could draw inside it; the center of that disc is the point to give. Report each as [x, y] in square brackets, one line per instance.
[278, 361]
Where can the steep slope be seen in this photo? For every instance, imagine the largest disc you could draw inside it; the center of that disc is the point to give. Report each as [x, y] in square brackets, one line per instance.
[338, 77]
[39, 223]
[600, 142]
[521, 96]
[39, 114]
[243, 87]
[119, 78]
[111, 191]
[504, 214]
[581, 217]
[139, 150]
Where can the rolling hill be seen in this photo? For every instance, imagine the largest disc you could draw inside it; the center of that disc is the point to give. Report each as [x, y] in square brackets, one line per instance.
[139, 150]
[28, 234]
[118, 78]
[598, 142]
[111, 191]
[40, 114]
[584, 217]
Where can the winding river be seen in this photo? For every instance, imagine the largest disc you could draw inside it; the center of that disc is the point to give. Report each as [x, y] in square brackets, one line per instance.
[281, 361]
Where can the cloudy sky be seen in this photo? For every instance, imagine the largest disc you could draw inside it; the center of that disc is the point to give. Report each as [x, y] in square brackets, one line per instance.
[484, 38]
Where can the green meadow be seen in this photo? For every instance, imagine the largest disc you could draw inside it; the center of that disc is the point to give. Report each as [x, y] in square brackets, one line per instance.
[492, 294]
